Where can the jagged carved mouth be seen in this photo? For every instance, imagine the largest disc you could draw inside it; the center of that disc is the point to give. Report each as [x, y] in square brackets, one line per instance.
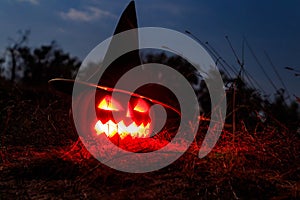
[111, 128]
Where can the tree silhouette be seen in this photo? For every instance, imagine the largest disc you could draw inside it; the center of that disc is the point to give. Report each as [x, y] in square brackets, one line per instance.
[286, 114]
[13, 54]
[47, 62]
[2, 61]
[38, 65]
[246, 103]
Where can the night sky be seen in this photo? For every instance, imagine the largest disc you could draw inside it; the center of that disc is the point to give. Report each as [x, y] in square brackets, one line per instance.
[79, 25]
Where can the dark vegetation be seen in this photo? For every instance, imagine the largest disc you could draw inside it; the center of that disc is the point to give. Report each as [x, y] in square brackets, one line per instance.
[257, 156]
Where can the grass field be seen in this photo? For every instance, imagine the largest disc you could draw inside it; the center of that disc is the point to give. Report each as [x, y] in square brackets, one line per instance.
[42, 158]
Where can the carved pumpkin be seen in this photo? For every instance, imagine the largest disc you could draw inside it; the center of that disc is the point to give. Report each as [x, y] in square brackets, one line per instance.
[128, 126]
[135, 124]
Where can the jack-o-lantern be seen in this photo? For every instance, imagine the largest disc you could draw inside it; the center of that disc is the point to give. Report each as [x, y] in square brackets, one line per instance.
[135, 123]
[123, 123]
[130, 126]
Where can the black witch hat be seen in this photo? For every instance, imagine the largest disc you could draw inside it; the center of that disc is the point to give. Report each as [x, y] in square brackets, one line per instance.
[120, 66]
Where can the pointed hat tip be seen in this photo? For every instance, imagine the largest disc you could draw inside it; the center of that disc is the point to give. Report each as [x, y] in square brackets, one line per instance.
[128, 19]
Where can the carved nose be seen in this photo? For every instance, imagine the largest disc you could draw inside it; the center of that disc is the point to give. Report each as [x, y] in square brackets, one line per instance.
[127, 117]
[128, 113]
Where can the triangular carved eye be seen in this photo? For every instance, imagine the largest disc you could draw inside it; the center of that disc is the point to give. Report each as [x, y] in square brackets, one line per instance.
[141, 106]
[110, 104]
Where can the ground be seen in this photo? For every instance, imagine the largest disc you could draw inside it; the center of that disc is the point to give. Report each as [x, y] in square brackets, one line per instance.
[42, 158]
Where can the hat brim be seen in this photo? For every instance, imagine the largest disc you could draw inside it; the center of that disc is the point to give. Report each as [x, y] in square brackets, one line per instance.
[65, 86]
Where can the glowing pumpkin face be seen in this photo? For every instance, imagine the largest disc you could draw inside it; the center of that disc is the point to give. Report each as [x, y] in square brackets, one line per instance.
[135, 124]
[127, 125]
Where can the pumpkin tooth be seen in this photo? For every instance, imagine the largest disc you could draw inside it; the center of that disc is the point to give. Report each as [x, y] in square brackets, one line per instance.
[109, 128]
[127, 122]
[104, 117]
[138, 122]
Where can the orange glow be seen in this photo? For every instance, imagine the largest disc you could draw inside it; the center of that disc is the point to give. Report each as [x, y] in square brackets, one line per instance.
[111, 129]
[141, 106]
[109, 104]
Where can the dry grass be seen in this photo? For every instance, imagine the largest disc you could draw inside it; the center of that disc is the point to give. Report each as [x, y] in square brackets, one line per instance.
[42, 159]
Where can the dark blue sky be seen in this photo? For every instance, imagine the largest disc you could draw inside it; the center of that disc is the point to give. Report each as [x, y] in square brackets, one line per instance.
[79, 25]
